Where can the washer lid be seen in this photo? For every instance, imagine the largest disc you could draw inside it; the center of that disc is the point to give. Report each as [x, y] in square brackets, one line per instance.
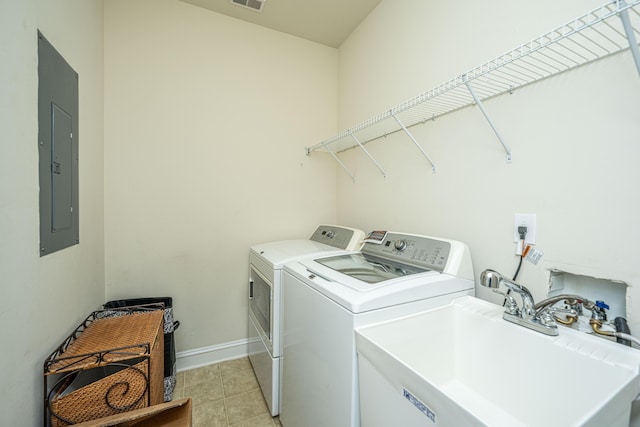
[352, 277]
[358, 296]
[367, 268]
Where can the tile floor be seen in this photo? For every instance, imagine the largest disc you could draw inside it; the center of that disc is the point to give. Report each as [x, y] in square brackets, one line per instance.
[225, 394]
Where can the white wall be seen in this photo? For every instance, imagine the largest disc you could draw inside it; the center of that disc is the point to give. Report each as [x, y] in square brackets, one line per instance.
[43, 299]
[574, 140]
[206, 120]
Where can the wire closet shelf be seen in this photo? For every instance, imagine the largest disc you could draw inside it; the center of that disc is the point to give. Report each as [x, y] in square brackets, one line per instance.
[604, 31]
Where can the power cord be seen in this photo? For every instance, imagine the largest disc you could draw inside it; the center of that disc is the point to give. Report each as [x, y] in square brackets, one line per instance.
[522, 232]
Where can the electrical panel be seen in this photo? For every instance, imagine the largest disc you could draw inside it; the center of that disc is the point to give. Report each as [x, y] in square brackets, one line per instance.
[58, 149]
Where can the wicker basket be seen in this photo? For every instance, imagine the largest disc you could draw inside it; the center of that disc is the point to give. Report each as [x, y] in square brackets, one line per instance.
[129, 348]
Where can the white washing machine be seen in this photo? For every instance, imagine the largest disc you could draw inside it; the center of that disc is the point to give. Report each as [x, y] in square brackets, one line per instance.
[265, 305]
[327, 298]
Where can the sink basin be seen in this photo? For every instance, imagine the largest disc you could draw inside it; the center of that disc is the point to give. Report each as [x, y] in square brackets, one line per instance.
[462, 364]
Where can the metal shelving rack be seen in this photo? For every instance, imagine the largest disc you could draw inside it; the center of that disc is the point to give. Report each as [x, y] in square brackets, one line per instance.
[604, 31]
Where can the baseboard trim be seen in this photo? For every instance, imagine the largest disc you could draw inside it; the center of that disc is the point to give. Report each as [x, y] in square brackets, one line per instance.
[203, 356]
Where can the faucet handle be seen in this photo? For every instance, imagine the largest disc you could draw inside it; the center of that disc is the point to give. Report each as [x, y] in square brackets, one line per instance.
[510, 304]
[598, 312]
[547, 319]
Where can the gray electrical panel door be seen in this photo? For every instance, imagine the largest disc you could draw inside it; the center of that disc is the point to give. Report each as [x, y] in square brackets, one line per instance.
[58, 149]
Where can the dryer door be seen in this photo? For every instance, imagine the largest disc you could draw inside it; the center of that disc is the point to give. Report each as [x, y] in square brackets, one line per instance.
[261, 304]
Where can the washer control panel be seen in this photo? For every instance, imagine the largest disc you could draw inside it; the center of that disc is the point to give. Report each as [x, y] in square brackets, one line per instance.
[422, 251]
[340, 237]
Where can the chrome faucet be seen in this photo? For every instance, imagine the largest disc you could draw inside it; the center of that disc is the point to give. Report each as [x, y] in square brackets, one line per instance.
[526, 315]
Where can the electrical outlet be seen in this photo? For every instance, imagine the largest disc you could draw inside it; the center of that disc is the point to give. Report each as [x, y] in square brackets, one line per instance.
[528, 220]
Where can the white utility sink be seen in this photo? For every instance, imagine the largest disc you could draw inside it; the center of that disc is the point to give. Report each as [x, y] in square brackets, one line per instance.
[463, 365]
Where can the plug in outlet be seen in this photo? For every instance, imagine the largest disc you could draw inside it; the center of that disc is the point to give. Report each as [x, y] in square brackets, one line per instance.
[524, 220]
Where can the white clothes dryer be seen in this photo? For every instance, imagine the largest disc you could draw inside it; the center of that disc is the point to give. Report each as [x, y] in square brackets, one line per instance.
[327, 298]
[265, 306]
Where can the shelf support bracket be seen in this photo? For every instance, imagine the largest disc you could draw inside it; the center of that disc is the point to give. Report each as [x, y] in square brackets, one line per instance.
[308, 151]
[628, 29]
[486, 116]
[353, 178]
[426, 156]
[369, 155]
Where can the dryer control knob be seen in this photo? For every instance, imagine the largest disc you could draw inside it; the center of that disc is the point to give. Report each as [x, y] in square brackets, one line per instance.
[400, 245]
[331, 234]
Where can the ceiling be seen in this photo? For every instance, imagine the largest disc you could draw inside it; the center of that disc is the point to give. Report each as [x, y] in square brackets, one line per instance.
[328, 22]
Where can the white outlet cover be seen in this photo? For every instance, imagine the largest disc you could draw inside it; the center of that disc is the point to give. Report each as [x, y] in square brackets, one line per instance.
[530, 221]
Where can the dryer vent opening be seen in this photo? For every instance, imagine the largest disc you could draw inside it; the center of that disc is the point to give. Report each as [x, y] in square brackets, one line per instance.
[256, 5]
